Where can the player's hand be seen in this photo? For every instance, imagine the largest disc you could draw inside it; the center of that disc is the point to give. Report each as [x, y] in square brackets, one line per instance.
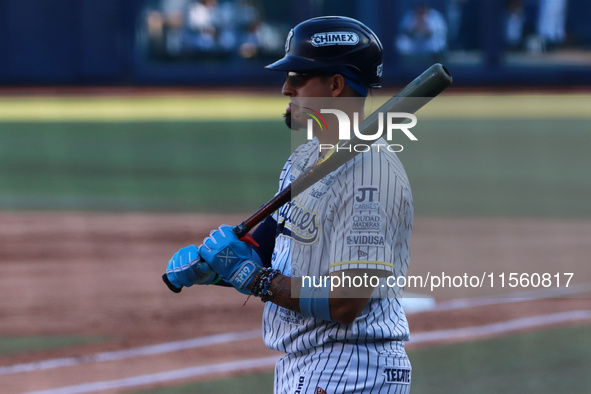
[186, 268]
[234, 260]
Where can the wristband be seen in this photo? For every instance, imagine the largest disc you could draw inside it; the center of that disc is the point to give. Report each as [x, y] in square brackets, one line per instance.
[266, 282]
[314, 302]
[262, 281]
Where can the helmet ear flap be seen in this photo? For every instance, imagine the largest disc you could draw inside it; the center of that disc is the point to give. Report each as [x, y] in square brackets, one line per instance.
[333, 41]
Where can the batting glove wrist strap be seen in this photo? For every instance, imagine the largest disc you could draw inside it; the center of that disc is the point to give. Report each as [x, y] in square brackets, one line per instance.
[243, 276]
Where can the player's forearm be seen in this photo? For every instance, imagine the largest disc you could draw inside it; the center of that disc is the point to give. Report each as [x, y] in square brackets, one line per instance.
[280, 291]
[343, 309]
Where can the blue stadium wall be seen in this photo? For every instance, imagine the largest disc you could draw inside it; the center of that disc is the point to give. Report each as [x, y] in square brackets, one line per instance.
[93, 42]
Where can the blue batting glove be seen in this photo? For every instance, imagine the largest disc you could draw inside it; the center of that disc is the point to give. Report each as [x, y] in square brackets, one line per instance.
[234, 260]
[186, 268]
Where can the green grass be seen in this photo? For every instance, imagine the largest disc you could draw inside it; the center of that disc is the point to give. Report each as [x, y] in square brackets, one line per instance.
[141, 166]
[255, 383]
[14, 345]
[543, 362]
[550, 361]
[486, 156]
[519, 167]
[458, 167]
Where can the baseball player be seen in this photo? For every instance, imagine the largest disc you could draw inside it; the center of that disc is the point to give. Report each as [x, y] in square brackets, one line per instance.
[354, 223]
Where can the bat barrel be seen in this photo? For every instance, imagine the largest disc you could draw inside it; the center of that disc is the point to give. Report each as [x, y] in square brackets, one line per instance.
[413, 97]
[430, 83]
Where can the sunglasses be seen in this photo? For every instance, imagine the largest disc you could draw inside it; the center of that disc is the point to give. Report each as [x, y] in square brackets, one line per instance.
[296, 79]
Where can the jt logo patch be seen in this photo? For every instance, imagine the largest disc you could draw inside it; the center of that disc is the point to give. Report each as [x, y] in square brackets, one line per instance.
[400, 375]
[366, 198]
[366, 194]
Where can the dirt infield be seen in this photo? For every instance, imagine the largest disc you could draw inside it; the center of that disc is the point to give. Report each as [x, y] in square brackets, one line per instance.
[74, 274]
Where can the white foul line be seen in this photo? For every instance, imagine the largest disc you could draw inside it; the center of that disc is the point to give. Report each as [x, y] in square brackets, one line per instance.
[478, 331]
[240, 336]
[164, 376]
[499, 328]
[133, 352]
[532, 295]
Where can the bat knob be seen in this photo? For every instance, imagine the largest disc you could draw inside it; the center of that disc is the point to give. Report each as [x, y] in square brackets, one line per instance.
[172, 287]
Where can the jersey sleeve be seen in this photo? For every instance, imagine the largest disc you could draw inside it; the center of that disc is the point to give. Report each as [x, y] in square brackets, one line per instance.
[372, 215]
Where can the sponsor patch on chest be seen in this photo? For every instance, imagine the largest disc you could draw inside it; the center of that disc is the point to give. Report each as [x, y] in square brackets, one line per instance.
[366, 198]
[366, 223]
[321, 187]
[365, 240]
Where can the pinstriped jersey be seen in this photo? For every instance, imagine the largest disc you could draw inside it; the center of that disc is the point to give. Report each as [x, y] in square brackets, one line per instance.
[358, 217]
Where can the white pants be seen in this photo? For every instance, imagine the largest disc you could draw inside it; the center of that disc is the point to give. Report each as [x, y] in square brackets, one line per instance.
[341, 368]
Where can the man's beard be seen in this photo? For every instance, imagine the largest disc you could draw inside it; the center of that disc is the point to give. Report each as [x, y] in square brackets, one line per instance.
[292, 123]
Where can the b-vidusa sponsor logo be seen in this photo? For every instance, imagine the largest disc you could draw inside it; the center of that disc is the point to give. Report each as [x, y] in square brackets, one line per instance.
[387, 123]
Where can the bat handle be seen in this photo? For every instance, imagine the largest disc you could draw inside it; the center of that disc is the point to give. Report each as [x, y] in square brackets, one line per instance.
[241, 230]
[172, 287]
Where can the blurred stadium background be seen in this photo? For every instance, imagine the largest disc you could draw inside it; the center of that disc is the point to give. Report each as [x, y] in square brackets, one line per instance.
[226, 42]
[130, 128]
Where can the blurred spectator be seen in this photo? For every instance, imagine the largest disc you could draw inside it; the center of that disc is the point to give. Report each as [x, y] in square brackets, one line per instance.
[261, 39]
[551, 22]
[423, 33]
[515, 23]
[211, 30]
[454, 11]
[165, 27]
[201, 23]
[535, 26]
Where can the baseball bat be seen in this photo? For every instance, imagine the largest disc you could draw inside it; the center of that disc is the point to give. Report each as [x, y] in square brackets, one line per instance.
[423, 89]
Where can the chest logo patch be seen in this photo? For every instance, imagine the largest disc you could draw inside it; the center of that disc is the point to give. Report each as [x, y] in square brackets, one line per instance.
[302, 224]
[366, 198]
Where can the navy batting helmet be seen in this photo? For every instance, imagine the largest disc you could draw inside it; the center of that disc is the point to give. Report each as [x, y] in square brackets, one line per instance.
[331, 42]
